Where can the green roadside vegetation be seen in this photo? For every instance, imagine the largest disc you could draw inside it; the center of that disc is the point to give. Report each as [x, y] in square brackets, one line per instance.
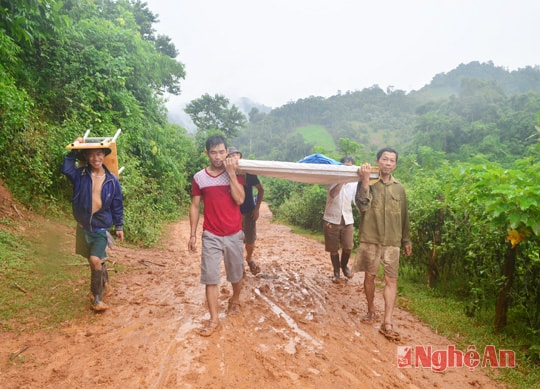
[446, 315]
[41, 286]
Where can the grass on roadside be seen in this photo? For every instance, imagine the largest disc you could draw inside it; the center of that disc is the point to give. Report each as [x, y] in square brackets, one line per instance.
[41, 285]
[447, 317]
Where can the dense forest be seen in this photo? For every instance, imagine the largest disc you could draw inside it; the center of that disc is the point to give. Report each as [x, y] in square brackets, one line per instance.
[71, 66]
[468, 144]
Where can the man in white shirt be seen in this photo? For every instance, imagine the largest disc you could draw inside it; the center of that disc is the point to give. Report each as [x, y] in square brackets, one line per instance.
[338, 224]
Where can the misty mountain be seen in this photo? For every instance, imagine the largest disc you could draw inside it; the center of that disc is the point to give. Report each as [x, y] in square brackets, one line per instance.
[475, 108]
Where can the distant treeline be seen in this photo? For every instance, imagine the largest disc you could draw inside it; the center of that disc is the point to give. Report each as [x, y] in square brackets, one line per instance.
[477, 108]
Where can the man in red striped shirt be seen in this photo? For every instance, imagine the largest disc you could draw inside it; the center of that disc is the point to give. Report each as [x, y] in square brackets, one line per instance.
[222, 192]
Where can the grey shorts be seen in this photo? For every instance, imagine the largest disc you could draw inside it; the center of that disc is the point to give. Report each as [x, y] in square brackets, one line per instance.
[337, 235]
[249, 226]
[214, 248]
[369, 256]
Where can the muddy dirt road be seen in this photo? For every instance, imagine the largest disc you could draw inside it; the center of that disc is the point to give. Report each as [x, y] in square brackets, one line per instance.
[297, 329]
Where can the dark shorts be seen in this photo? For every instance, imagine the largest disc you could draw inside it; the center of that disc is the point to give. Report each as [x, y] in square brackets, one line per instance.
[91, 243]
[338, 235]
[249, 226]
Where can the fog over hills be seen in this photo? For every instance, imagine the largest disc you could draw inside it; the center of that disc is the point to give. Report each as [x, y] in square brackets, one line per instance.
[442, 85]
[176, 114]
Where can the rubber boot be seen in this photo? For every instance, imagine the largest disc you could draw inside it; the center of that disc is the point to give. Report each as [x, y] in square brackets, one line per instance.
[344, 262]
[336, 265]
[96, 286]
[107, 290]
[105, 274]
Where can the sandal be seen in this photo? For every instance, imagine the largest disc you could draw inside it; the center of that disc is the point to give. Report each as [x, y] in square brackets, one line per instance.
[209, 328]
[233, 308]
[369, 318]
[389, 333]
[255, 269]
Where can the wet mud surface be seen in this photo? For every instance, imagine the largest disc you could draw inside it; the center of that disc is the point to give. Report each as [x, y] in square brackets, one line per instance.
[296, 328]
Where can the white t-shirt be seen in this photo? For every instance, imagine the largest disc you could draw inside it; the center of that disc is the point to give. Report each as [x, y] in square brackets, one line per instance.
[341, 205]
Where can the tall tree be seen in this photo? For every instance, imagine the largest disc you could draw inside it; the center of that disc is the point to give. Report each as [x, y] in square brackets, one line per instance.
[216, 114]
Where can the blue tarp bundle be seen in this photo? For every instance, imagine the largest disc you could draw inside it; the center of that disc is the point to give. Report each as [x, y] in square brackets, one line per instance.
[319, 158]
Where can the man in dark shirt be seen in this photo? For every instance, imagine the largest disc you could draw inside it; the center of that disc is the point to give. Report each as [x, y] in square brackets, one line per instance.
[250, 213]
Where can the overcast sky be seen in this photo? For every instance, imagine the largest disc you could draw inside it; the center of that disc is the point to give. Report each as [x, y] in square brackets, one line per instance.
[278, 51]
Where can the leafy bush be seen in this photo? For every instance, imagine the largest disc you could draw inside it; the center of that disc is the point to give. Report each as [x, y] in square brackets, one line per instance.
[277, 191]
[305, 207]
[475, 230]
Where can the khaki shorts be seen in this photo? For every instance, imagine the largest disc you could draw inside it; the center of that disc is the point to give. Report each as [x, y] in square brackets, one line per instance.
[369, 256]
[214, 248]
[249, 226]
[337, 235]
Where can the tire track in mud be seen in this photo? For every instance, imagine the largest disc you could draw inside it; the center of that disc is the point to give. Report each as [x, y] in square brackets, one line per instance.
[289, 320]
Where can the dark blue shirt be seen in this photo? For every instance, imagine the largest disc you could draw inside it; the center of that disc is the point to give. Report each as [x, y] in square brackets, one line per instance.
[249, 202]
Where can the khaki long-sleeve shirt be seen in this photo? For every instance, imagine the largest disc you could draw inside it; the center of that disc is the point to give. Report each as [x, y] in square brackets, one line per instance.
[384, 215]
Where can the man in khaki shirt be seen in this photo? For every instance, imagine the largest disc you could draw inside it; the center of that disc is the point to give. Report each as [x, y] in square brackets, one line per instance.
[384, 229]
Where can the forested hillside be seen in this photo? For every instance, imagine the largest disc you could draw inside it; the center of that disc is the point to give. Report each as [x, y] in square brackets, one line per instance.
[71, 66]
[477, 108]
